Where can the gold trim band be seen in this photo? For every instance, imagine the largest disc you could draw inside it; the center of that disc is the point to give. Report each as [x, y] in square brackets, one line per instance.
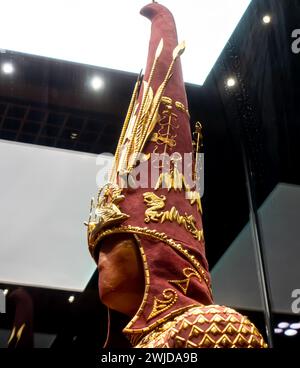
[154, 235]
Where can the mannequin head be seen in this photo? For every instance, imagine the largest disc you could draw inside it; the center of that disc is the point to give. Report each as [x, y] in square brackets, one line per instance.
[121, 274]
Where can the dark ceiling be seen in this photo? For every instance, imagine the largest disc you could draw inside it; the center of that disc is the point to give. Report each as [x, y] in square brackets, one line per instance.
[48, 102]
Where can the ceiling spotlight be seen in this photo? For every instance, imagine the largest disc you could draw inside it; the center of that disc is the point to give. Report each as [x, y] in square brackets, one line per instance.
[295, 326]
[278, 330]
[7, 68]
[71, 299]
[5, 291]
[283, 325]
[266, 19]
[230, 82]
[290, 332]
[73, 135]
[97, 83]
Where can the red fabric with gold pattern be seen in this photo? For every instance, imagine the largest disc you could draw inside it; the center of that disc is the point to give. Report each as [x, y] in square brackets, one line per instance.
[212, 326]
[165, 222]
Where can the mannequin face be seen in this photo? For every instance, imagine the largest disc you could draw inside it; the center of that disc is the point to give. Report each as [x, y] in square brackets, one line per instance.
[121, 274]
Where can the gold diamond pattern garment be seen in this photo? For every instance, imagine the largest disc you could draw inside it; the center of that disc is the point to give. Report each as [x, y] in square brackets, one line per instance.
[210, 326]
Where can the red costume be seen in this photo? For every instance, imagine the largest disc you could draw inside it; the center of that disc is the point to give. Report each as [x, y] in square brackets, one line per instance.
[164, 215]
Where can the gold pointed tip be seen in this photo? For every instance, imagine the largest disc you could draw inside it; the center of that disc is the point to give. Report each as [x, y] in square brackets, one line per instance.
[159, 48]
[179, 50]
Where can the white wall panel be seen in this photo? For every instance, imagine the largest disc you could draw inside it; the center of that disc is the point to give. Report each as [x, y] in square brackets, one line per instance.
[44, 200]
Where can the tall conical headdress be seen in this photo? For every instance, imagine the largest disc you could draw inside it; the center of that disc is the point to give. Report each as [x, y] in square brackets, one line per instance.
[152, 193]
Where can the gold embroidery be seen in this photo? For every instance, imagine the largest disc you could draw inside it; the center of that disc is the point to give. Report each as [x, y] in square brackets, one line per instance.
[225, 341]
[167, 123]
[185, 324]
[194, 197]
[140, 122]
[160, 139]
[180, 106]
[131, 107]
[153, 234]
[167, 100]
[212, 334]
[229, 329]
[234, 319]
[217, 318]
[196, 331]
[214, 329]
[142, 117]
[207, 341]
[106, 211]
[190, 344]
[165, 137]
[152, 116]
[143, 113]
[160, 324]
[172, 180]
[187, 221]
[155, 328]
[154, 203]
[160, 306]
[179, 342]
[176, 180]
[173, 332]
[184, 284]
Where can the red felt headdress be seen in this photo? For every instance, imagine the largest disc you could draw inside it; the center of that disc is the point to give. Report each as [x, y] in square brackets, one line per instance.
[151, 193]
